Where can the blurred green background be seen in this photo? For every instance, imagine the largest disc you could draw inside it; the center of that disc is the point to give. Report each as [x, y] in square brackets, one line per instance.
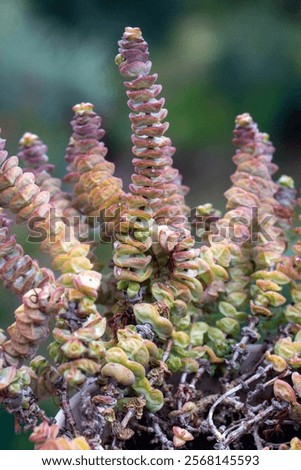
[215, 60]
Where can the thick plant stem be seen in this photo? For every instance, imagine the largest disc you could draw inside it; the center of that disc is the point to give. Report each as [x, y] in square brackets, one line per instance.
[33, 152]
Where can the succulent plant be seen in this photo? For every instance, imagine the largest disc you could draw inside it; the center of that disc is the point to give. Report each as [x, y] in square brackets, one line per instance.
[180, 304]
